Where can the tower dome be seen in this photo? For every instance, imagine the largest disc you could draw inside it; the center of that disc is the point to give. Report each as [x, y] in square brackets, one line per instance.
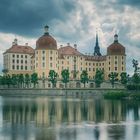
[46, 41]
[116, 48]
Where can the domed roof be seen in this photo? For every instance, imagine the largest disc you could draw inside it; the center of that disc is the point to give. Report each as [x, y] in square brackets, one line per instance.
[46, 41]
[116, 48]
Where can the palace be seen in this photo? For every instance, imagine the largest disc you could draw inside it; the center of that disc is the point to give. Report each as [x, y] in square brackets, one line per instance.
[47, 56]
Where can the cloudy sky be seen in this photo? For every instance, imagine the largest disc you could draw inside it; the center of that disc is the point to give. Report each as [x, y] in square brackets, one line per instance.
[72, 21]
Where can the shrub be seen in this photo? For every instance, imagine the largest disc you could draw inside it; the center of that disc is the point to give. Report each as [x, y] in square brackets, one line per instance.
[115, 95]
[133, 87]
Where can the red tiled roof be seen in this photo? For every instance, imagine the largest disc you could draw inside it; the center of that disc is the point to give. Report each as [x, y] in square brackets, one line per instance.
[46, 42]
[20, 49]
[116, 49]
[95, 58]
[68, 50]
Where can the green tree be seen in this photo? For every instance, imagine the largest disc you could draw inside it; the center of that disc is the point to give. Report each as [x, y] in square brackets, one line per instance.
[124, 78]
[21, 80]
[113, 76]
[99, 78]
[65, 76]
[136, 78]
[5, 71]
[14, 80]
[53, 77]
[27, 80]
[34, 79]
[84, 77]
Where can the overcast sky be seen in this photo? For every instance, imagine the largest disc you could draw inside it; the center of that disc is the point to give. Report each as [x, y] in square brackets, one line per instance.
[72, 21]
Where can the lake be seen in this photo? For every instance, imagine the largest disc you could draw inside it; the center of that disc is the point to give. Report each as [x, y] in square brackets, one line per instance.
[61, 118]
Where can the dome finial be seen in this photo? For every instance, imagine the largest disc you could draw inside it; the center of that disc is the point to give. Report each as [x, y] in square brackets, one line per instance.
[46, 28]
[116, 38]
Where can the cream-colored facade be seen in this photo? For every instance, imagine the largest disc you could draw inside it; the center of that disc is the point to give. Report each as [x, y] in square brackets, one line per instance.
[47, 56]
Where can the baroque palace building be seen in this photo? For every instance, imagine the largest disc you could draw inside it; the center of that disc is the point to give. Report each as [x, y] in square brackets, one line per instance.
[47, 56]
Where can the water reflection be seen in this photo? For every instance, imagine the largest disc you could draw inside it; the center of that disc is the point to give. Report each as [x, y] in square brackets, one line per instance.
[68, 119]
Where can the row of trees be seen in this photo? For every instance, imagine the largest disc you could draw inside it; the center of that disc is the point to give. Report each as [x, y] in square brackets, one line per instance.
[27, 80]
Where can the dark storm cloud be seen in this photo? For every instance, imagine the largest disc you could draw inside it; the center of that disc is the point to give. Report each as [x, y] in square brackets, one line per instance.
[135, 3]
[26, 17]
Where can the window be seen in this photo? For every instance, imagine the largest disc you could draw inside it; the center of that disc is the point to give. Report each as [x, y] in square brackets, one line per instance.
[17, 56]
[115, 57]
[109, 68]
[17, 67]
[13, 67]
[86, 63]
[93, 69]
[43, 52]
[25, 61]
[43, 58]
[115, 68]
[67, 57]
[50, 58]
[22, 61]
[25, 56]
[25, 67]
[122, 57]
[99, 64]
[13, 61]
[50, 64]
[89, 64]
[43, 64]
[21, 56]
[89, 69]
[81, 68]
[115, 62]
[13, 55]
[36, 52]
[109, 57]
[109, 63]
[17, 61]
[81, 58]
[51, 52]
[103, 64]
[122, 63]
[93, 64]
[122, 68]
[96, 64]
[21, 67]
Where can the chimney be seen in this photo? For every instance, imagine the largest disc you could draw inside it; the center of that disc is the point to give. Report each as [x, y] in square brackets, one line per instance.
[46, 28]
[15, 42]
[68, 44]
[26, 44]
[75, 46]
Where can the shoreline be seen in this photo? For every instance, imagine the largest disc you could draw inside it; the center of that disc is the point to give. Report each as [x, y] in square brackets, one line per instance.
[56, 92]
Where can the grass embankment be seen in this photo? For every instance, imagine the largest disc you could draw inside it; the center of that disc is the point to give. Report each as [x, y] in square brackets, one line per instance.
[121, 95]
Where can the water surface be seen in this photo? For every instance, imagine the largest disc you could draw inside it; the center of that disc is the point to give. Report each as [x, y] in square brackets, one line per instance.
[48, 118]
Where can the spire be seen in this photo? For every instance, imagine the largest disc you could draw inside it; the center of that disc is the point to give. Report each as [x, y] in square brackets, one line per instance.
[97, 48]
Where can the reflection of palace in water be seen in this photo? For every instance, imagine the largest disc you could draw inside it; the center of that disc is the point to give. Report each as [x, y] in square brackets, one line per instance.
[51, 112]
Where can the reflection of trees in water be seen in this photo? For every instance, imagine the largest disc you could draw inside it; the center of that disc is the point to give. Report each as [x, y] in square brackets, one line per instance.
[116, 132]
[51, 111]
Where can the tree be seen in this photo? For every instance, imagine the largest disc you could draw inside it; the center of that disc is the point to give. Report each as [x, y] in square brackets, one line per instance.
[113, 77]
[124, 78]
[65, 76]
[5, 71]
[53, 77]
[136, 78]
[21, 80]
[34, 79]
[8, 80]
[84, 77]
[99, 78]
[27, 80]
[14, 80]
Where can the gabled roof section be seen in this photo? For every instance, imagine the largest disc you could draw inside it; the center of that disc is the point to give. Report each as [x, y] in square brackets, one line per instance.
[20, 49]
